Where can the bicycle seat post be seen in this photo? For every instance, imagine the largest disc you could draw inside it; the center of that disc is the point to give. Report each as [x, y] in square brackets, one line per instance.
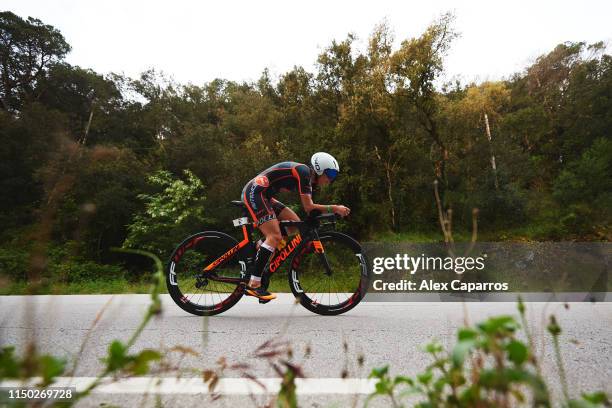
[247, 233]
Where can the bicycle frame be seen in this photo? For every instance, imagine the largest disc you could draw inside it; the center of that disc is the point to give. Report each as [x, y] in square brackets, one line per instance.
[278, 257]
[245, 241]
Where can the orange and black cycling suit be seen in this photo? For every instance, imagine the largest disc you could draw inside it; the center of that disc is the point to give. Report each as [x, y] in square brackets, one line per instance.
[258, 194]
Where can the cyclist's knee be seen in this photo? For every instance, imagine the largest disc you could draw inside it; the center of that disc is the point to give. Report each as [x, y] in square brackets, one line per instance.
[274, 238]
[288, 214]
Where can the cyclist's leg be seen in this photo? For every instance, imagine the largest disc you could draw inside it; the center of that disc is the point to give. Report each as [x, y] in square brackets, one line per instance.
[271, 230]
[251, 197]
[285, 213]
[268, 225]
[258, 283]
[281, 215]
[265, 219]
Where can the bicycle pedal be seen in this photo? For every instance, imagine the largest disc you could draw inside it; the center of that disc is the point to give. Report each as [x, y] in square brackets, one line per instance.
[262, 301]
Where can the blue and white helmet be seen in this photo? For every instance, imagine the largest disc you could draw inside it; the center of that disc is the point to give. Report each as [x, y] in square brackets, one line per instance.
[324, 163]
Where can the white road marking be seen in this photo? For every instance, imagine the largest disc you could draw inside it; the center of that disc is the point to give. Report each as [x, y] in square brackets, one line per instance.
[225, 386]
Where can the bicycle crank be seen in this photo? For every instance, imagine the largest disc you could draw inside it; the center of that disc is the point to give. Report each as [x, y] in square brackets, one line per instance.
[201, 281]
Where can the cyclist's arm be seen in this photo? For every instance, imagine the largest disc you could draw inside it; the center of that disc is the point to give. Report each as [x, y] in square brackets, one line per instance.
[309, 205]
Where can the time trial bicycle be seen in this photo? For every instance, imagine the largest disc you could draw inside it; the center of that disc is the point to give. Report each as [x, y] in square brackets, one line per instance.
[328, 271]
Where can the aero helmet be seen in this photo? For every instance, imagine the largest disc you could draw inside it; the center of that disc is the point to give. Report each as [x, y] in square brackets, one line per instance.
[324, 163]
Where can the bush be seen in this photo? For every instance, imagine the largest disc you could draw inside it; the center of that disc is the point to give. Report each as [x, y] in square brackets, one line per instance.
[66, 265]
[489, 366]
[583, 188]
[62, 265]
[73, 271]
[170, 214]
[14, 263]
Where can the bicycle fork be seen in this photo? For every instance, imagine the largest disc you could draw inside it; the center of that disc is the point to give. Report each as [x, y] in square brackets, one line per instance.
[318, 248]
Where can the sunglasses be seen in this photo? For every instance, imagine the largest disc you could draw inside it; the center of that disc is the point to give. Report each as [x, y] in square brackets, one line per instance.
[331, 174]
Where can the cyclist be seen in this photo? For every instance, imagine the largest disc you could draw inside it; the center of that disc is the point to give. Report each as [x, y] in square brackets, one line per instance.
[258, 195]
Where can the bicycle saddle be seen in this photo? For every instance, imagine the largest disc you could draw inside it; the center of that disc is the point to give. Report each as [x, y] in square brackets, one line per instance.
[237, 203]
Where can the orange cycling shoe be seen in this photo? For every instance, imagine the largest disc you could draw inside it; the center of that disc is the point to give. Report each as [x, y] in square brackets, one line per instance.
[259, 293]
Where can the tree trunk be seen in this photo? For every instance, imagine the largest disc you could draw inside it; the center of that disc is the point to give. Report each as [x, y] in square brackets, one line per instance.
[84, 140]
[389, 186]
[493, 165]
[389, 192]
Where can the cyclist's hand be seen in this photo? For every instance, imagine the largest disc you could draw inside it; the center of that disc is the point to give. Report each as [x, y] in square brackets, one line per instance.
[341, 210]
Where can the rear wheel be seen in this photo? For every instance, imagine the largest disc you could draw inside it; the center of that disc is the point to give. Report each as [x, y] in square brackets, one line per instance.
[337, 292]
[196, 292]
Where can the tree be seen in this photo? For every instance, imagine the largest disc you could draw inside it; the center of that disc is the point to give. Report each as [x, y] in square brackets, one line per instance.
[25, 144]
[462, 120]
[102, 198]
[414, 67]
[80, 93]
[28, 48]
[585, 189]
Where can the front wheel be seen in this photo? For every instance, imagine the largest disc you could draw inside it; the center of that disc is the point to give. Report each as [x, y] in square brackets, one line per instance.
[333, 291]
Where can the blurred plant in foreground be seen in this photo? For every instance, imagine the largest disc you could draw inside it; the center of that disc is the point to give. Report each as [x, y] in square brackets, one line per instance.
[488, 367]
[46, 369]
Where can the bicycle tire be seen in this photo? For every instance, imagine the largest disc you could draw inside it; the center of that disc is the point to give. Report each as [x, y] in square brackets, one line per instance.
[215, 243]
[297, 275]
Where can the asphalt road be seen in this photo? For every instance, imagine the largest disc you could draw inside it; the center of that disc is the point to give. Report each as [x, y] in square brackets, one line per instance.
[324, 347]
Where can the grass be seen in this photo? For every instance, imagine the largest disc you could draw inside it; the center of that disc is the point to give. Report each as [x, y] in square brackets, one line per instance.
[278, 283]
[114, 286]
[535, 232]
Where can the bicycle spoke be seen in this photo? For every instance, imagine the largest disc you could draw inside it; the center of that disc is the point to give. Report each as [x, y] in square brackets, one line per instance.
[199, 291]
[334, 291]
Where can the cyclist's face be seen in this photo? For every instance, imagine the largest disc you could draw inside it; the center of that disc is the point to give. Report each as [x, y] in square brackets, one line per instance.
[323, 180]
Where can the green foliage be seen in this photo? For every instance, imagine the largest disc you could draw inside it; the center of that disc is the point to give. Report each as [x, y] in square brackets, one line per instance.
[30, 365]
[28, 48]
[76, 270]
[63, 265]
[77, 146]
[14, 263]
[101, 199]
[170, 214]
[98, 286]
[489, 366]
[118, 359]
[82, 94]
[585, 188]
[287, 395]
[25, 144]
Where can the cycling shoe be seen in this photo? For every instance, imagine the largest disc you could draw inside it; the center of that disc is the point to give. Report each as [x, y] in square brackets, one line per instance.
[260, 293]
